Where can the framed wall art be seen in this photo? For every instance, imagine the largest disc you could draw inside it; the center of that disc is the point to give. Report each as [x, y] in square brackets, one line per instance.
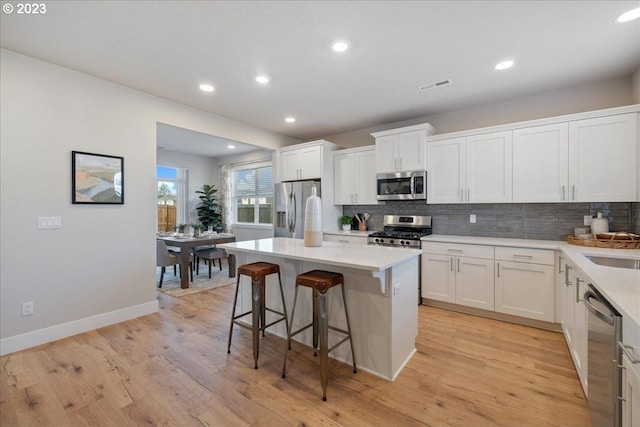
[97, 179]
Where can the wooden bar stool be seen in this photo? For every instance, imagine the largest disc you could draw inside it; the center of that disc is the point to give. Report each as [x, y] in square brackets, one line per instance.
[258, 271]
[320, 282]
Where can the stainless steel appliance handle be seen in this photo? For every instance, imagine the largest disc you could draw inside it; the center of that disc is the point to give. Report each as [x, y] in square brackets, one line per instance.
[291, 213]
[605, 317]
[412, 185]
[628, 351]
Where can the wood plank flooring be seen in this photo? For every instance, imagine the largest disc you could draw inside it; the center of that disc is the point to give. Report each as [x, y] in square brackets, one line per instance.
[172, 369]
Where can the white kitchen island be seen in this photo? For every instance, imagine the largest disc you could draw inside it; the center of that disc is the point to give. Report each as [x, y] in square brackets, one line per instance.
[381, 285]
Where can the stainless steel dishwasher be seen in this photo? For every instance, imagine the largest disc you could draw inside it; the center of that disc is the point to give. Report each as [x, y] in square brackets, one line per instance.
[604, 358]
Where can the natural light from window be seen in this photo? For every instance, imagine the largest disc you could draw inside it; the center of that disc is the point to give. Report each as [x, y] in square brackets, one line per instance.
[253, 195]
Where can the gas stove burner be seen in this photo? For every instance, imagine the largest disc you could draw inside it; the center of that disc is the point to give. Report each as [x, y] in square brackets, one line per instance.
[402, 231]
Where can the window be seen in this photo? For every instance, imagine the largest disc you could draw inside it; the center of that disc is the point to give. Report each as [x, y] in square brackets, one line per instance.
[172, 197]
[253, 195]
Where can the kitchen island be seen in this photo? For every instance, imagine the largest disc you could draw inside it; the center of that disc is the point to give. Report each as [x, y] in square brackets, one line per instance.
[381, 286]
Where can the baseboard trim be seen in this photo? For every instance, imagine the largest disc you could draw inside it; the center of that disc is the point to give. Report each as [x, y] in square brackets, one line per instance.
[554, 327]
[64, 330]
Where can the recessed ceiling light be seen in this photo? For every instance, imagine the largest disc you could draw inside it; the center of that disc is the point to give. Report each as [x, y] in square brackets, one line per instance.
[629, 15]
[262, 79]
[340, 46]
[231, 146]
[290, 119]
[504, 65]
[206, 87]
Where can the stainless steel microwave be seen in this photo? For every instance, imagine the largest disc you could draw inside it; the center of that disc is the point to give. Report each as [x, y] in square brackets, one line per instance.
[411, 185]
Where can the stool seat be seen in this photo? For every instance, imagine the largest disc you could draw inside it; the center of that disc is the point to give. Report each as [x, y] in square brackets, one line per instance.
[320, 280]
[257, 271]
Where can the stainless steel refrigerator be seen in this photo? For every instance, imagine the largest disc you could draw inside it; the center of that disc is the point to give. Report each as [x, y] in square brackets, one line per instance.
[290, 199]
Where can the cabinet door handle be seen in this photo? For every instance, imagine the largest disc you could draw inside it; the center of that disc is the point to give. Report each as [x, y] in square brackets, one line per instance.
[563, 198]
[522, 256]
[578, 280]
[573, 191]
[455, 250]
[451, 263]
[356, 197]
[498, 269]
[567, 267]
[461, 195]
[468, 194]
[560, 264]
[458, 265]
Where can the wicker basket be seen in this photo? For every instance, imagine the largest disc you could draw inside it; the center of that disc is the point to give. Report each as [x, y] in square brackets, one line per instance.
[629, 242]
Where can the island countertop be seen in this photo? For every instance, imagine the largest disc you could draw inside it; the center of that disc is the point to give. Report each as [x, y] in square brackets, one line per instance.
[372, 258]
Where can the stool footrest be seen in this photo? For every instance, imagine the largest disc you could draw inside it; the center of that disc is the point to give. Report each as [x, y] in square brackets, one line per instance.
[333, 347]
[304, 328]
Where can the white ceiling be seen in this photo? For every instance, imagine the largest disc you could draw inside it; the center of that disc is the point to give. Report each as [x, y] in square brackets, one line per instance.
[174, 138]
[168, 48]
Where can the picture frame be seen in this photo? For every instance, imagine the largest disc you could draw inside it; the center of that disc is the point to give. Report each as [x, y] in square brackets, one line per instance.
[96, 179]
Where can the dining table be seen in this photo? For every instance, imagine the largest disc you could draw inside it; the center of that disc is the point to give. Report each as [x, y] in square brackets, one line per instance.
[185, 243]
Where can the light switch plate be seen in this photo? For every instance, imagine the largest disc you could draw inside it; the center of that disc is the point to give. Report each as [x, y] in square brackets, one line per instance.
[472, 218]
[49, 222]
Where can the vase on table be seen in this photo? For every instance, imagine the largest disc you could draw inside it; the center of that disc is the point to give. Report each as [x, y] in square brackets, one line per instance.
[313, 220]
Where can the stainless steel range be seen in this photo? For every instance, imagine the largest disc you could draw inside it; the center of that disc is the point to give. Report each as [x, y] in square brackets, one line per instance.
[402, 231]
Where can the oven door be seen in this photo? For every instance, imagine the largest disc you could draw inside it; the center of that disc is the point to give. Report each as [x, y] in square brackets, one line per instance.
[402, 185]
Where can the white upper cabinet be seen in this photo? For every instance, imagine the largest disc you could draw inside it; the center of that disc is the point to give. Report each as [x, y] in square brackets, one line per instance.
[585, 157]
[301, 163]
[355, 177]
[489, 164]
[541, 163]
[474, 169]
[446, 171]
[603, 159]
[402, 149]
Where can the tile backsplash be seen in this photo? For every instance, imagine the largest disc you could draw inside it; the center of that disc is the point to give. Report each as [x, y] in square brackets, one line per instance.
[548, 221]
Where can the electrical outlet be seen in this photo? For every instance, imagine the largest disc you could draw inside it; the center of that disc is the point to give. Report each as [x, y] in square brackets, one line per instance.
[396, 289]
[587, 219]
[472, 218]
[27, 308]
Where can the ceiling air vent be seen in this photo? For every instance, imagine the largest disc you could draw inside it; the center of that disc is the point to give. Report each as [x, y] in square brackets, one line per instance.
[435, 84]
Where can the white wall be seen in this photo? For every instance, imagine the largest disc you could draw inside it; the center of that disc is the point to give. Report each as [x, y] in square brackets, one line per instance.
[99, 268]
[576, 99]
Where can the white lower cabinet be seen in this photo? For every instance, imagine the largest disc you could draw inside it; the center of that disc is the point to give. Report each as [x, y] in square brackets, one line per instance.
[524, 284]
[630, 393]
[449, 275]
[574, 323]
[345, 238]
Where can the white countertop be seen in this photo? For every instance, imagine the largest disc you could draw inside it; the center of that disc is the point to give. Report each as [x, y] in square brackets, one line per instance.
[621, 286]
[373, 258]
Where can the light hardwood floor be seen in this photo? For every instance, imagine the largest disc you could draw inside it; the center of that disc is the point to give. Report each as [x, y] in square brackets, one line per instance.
[172, 369]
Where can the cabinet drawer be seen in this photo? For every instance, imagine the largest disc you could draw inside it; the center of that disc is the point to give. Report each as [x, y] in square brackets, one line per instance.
[345, 239]
[457, 249]
[533, 256]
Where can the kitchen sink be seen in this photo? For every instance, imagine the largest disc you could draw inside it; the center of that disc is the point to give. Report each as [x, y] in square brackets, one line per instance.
[615, 262]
